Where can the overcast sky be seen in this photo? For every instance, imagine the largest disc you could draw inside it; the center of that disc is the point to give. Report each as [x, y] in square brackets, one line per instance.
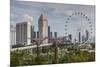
[57, 15]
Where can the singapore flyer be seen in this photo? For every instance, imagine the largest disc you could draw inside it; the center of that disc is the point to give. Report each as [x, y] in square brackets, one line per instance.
[80, 26]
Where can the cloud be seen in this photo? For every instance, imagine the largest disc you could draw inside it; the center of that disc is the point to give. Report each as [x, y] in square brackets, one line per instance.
[56, 13]
[27, 17]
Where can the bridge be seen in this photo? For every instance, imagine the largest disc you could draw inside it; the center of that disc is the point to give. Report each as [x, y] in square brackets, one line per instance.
[30, 47]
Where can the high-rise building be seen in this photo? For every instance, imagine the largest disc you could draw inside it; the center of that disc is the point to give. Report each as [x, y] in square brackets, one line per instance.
[43, 27]
[23, 33]
[79, 36]
[34, 34]
[87, 35]
[50, 34]
[70, 37]
[37, 34]
[83, 38]
[12, 35]
[49, 31]
[55, 34]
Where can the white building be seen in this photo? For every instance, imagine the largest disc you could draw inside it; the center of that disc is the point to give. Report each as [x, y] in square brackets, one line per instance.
[12, 35]
[43, 28]
[23, 33]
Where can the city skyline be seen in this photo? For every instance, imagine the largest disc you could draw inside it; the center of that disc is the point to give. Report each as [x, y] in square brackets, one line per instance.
[22, 10]
[51, 33]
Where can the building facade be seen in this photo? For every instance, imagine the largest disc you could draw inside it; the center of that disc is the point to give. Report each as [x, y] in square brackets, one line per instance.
[51, 36]
[79, 37]
[12, 35]
[87, 35]
[23, 33]
[34, 34]
[48, 31]
[70, 37]
[43, 28]
[55, 34]
[37, 34]
[83, 39]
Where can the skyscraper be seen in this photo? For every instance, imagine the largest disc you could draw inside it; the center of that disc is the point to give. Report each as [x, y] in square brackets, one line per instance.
[23, 33]
[50, 34]
[43, 27]
[34, 34]
[37, 34]
[70, 37]
[79, 36]
[55, 34]
[83, 38]
[12, 35]
[49, 31]
[87, 35]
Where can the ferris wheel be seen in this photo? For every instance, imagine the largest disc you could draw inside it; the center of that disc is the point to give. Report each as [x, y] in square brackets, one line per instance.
[78, 22]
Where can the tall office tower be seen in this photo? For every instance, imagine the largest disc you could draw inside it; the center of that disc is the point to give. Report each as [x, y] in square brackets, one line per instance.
[43, 28]
[12, 35]
[79, 35]
[83, 39]
[49, 31]
[87, 35]
[55, 34]
[34, 34]
[70, 37]
[37, 34]
[50, 41]
[50, 34]
[23, 33]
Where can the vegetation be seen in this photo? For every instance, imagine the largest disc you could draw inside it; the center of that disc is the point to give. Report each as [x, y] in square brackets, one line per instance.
[82, 56]
[20, 58]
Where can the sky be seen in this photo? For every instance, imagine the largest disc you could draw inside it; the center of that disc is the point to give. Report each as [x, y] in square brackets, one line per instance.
[57, 15]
